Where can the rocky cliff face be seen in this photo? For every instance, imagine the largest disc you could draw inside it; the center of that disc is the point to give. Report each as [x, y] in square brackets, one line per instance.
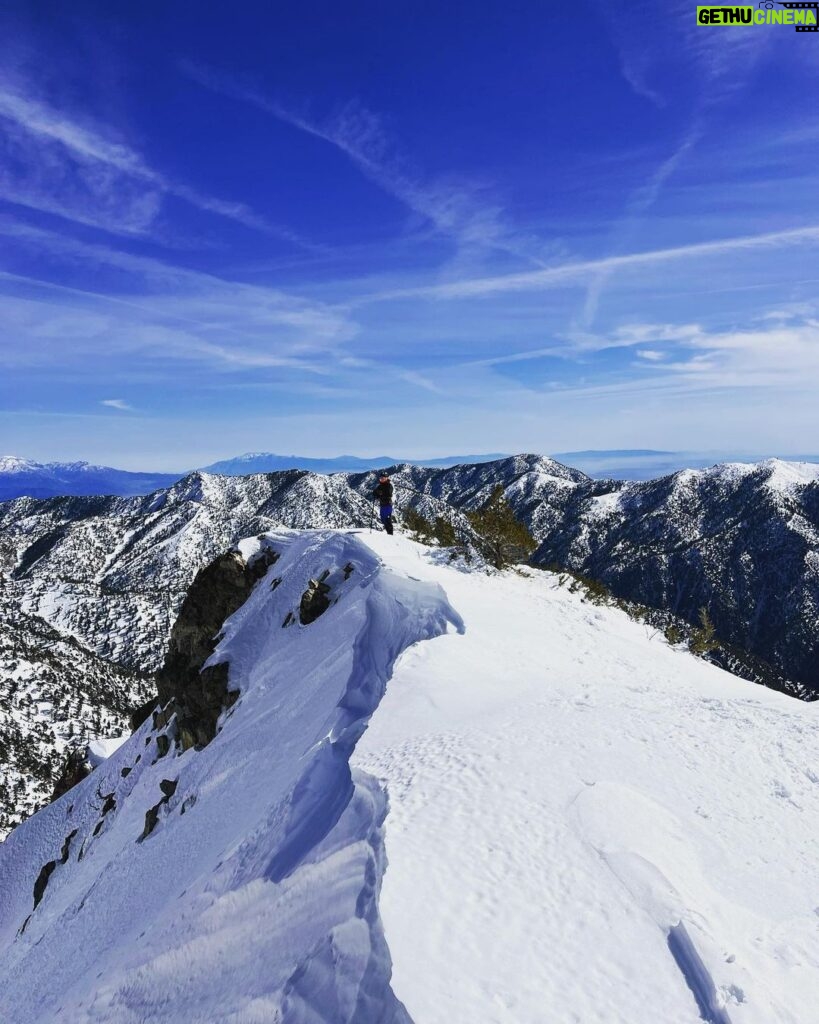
[197, 695]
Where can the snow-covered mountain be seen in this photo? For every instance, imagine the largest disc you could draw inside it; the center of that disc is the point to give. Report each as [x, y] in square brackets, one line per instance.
[25, 478]
[741, 540]
[647, 464]
[110, 574]
[20, 477]
[552, 815]
[267, 462]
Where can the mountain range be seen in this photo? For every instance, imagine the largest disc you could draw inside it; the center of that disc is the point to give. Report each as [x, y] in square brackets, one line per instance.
[25, 478]
[266, 462]
[107, 575]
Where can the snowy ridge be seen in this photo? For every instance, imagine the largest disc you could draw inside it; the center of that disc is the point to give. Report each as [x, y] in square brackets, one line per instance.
[781, 474]
[255, 897]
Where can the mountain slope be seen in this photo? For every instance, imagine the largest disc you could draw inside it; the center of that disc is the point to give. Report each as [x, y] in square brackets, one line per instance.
[53, 694]
[26, 478]
[112, 572]
[578, 819]
[741, 540]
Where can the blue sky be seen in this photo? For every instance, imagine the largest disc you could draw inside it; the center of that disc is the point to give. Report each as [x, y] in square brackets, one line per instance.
[413, 228]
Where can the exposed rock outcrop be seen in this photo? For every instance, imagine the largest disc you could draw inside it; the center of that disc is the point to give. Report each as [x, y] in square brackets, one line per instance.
[314, 601]
[74, 770]
[197, 696]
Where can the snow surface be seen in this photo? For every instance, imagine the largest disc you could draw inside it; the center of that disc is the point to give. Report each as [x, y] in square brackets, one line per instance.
[786, 475]
[782, 475]
[101, 748]
[604, 505]
[585, 825]
[14, 464]
[567, 790]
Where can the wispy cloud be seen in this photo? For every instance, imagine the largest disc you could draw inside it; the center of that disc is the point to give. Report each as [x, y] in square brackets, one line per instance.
[198, 298]
[576, 343]
[117, 403]
[457, 208]
[582, 270]
[655, 43]
[641, 201]
[173, 315]
[767, 354]
[662, 43]
[160, 312]
[57, 163]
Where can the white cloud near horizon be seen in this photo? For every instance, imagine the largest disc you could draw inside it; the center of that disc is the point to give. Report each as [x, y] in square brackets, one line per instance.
[117, 403]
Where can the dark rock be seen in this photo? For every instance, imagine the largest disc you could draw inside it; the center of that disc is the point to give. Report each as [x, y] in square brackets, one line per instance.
[141, 714]
[42, 881]
[186, 737]
[67, 846]
[314, 601]
[74, 770]
[162, 716]
[200, 695]
[151, 819]
[168, 787]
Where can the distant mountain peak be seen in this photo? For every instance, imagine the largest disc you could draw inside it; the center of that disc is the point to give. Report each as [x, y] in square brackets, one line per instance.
[14, 464]
[26, 478]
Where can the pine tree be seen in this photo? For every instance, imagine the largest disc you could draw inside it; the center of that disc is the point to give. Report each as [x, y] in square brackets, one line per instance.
[704, 639]
[415, 522]
[504, 538]
[444, 532]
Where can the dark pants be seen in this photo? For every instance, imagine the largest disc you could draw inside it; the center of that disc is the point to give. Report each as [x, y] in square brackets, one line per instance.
[386, 517]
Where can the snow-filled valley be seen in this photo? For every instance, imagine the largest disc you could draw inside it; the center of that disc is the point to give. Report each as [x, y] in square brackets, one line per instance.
[453, 796]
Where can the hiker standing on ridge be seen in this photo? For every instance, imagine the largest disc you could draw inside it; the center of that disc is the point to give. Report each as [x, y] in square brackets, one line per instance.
[383, 493]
